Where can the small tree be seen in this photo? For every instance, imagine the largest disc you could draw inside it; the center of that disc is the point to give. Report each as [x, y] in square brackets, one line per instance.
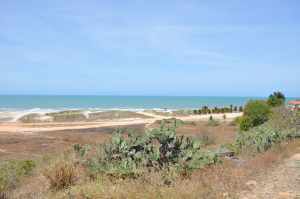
[256, 112]
[276, 99]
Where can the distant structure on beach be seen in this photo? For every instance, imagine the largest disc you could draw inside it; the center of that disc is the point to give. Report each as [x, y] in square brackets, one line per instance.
[294, 104]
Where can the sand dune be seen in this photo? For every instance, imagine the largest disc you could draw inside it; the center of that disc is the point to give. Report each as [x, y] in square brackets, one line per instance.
[28, 128]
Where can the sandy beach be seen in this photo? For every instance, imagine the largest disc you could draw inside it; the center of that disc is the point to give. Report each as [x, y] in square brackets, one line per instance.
[29, 128]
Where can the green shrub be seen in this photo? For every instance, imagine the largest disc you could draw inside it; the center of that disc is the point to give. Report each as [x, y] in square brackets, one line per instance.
[12, 171]
[276, 99]
[158, 149]
[256, 112]
[245, 123]
[282, 125]
[261, 138]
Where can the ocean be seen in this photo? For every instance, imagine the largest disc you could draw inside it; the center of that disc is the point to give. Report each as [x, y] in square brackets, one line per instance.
[22, 102]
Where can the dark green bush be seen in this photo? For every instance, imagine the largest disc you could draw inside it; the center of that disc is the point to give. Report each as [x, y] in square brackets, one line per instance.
[256, 112]
[276, 99]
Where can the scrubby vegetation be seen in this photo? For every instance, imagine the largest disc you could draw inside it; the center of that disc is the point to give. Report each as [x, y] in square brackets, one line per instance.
[94, 116]
[11, 173]
[158, 163]
[157, 150]
[261, 138]
[256, 112]
[61, 175]
[67, 116]
[266, 127]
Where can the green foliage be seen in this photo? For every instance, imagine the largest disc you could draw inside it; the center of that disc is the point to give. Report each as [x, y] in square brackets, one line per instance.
[261, 138]
[256, 112]
[245, 123]
[207, 110]
[12, 171]
[282, 125]
[158, 149]
[276, 99]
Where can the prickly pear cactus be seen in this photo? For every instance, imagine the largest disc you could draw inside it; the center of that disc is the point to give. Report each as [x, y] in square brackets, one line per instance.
[158, 149]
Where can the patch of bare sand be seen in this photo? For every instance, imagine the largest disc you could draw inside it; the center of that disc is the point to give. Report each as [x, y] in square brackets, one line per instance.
[280, 182]
[29, 128]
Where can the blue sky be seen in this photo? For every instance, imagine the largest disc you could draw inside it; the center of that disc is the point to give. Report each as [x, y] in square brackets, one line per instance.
[153, 47]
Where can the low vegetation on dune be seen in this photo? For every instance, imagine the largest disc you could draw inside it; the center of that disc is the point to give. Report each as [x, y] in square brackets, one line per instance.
[68, 116]
[115, 115]
[159, 163]
[11, 173]
[78, 116]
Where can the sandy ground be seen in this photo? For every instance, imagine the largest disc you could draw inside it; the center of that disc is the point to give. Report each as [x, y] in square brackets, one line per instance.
[29, 128]
[280, 182]
[26, 141]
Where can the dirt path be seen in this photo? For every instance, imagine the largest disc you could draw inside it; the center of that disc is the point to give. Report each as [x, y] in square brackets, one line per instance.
[281, 182]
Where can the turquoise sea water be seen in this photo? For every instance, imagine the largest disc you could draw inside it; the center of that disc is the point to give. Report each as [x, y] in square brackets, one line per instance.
[116, 102]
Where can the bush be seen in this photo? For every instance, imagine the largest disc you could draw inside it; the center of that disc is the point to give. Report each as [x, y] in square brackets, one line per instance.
[245, 123]
[62, 175]
[12, 171]
[157, 150]
[283, 118]
[261, 138]
[276, 99]
[256, 112]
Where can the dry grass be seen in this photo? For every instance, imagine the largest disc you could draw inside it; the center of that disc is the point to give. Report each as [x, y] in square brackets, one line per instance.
[226, 180]
[61, 175]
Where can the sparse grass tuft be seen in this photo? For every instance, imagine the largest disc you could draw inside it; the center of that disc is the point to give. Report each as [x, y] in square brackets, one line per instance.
[62, 175]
